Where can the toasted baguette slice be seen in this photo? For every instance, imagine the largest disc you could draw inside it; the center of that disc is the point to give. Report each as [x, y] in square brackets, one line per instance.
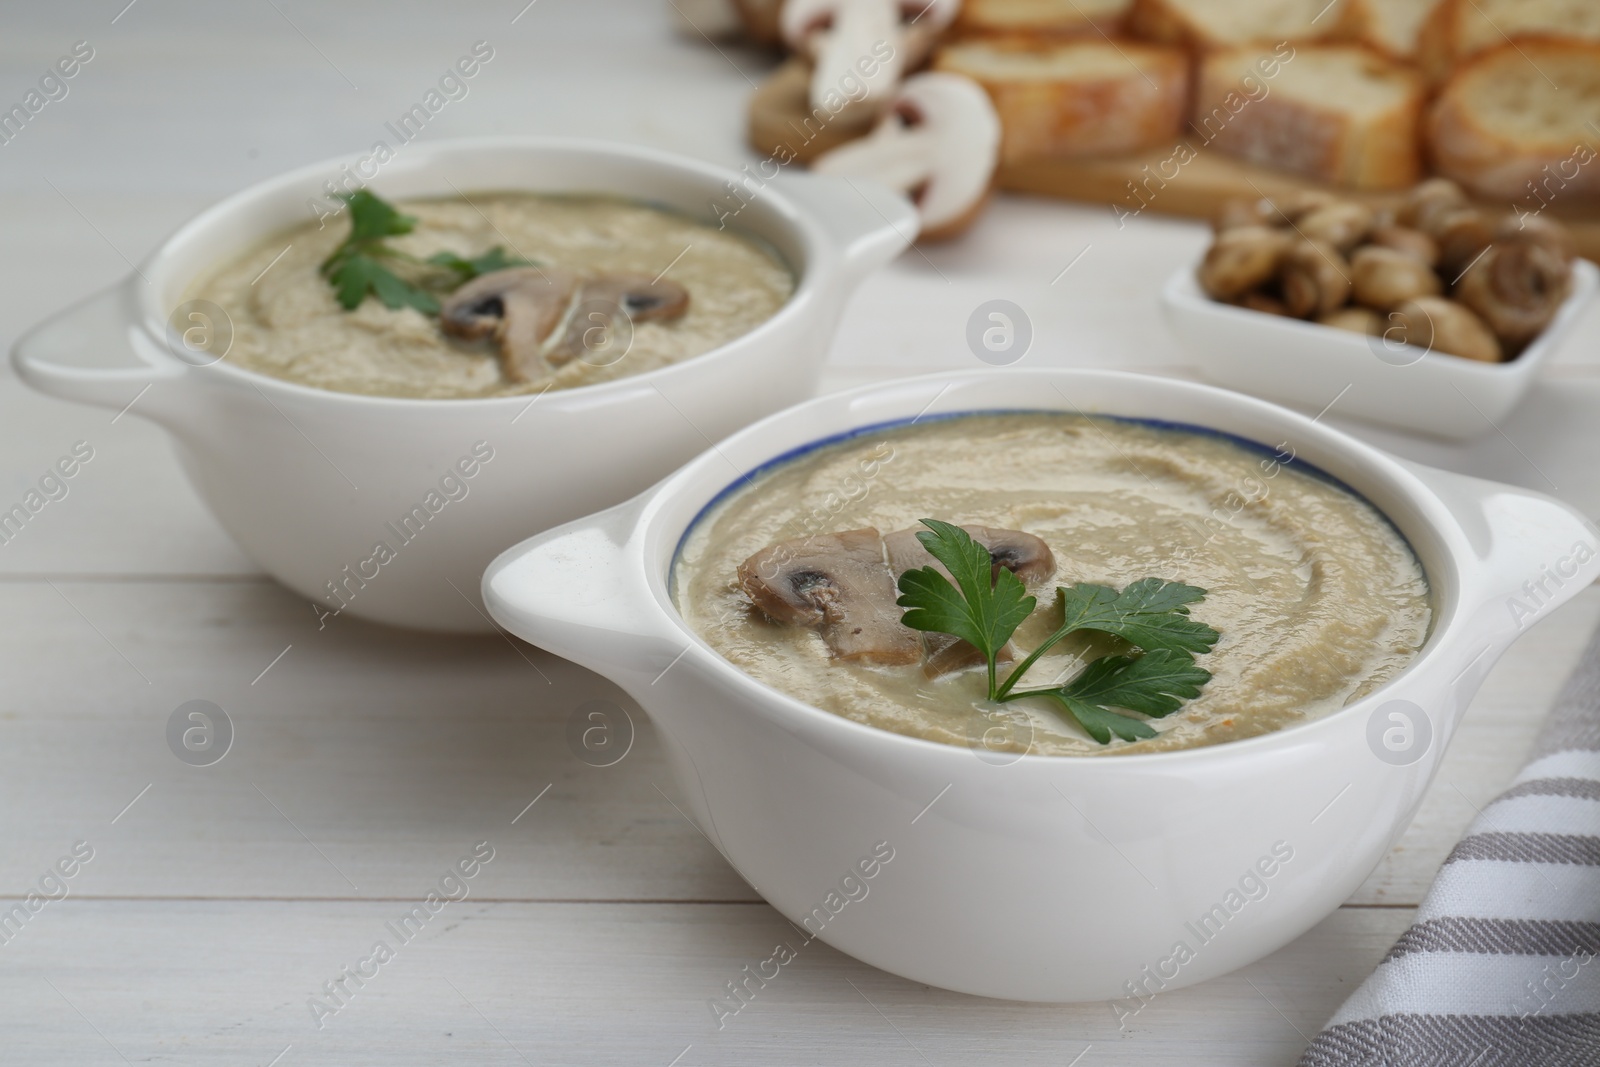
[1076, 97]
[1457, 30]
[1212, 24]
[1392, 26]
[1519, 122]
[1338, 113]
[1045, 18]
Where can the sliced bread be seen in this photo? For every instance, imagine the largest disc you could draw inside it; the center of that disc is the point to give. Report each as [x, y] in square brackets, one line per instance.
[1210, 24]
[1522, 121]
[1338, 113]
[1075, 98]
[1392, 26]
[1460, 29]
[1048, 18]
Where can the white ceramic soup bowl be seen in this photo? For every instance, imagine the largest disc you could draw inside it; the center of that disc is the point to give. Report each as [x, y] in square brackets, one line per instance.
[310, 482]
[1039, 878]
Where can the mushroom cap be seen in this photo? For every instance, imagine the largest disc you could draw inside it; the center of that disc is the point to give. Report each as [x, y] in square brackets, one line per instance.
[1517, 289]
[939, 143]
[1441, 325]
[1385, 277]
[1424, 203]
[1242, 259]
[838, 584]
[1315, 278]
[1342, 224]
[1461, 235]
[1540, 230]
[1405, 239]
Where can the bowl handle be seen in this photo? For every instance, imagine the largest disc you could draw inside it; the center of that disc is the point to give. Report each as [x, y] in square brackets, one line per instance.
[868, 221]
[582, 591]
[1533, 554]
[51, 357]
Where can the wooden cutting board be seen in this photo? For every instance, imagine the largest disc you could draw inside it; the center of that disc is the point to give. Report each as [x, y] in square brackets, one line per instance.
[782, 125]
[1131, 186]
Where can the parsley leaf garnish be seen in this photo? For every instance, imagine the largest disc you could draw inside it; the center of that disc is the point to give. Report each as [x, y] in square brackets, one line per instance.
[983, 608]
[1154, 684]
[470, 267]
[987, 603]
[356, 267]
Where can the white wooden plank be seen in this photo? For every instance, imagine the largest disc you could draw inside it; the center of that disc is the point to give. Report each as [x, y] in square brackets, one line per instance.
[90, 983]
[385, 749]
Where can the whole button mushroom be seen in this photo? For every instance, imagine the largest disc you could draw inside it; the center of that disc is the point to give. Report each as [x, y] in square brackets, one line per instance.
[1461, 236]
[938, 143]
[1425, 204]
[1411, 242]
[1517, 289]
[1342, 224]
[860, 49]
[1536, 229]
[1441, 325]
[1241, 260]
[1383, 278]
[1315, 279]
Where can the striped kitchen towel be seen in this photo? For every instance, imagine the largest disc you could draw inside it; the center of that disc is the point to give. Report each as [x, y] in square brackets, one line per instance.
[1502, 966]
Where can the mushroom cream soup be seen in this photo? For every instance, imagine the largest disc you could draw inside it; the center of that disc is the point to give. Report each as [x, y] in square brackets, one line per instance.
[584, 251]
[1317, 598]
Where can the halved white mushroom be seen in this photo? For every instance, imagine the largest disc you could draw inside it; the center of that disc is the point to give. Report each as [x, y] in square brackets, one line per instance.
[860, 49]
[638, 296]
[838, 584]
[519, 308]
[938, 144]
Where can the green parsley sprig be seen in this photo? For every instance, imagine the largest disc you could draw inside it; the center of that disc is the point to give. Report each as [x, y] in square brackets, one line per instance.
[986, 604]
[357, 267]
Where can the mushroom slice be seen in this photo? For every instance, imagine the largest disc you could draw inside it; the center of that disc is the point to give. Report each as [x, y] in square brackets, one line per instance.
[639, 296]
[938, 144]
[860, 49]
[839, 585]
[1021, 553]
[519, 307]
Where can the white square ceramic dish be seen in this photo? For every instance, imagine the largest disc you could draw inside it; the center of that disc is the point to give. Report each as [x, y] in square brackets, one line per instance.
[1371, 377]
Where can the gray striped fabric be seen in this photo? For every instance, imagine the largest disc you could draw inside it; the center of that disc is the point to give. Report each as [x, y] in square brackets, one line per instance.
[1502, 966]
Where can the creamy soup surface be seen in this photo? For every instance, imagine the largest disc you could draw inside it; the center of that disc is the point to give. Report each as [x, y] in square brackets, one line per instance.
[1317, 597]
[287, 324]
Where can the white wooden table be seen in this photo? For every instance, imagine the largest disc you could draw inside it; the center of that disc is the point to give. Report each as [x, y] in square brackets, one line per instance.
[366, 761]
